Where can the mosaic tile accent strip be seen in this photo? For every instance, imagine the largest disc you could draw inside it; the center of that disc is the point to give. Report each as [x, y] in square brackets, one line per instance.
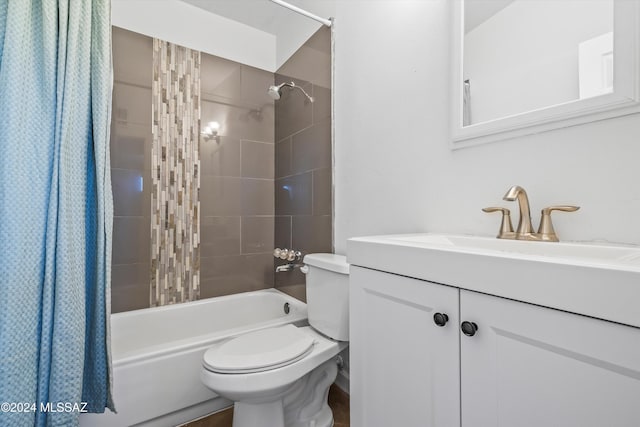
[175, 164]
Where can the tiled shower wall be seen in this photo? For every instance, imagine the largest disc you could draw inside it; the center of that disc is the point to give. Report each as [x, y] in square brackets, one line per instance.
[304, 157]
[237, 176]
[237, 179]
[131, 140]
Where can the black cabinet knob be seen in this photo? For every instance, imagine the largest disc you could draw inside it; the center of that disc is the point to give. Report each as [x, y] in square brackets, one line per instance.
[440, 319]
[469, 328]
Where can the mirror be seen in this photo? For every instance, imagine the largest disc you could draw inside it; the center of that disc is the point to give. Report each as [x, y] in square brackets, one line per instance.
[521, 65]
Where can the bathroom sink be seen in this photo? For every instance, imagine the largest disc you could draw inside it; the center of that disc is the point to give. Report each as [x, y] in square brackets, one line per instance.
[598, 280]
[588, 251]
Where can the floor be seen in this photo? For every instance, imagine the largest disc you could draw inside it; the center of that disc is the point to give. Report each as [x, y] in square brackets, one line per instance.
[338, 401]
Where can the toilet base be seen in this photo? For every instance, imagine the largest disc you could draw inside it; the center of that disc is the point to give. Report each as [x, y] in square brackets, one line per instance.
[303, 405]
[255, 414]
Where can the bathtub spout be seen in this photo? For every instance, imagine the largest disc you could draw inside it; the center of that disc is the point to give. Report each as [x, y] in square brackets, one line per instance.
[287, 267]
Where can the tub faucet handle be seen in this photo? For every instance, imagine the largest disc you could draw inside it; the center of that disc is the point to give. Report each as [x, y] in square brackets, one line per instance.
[506, 227]
[287, 254]
[281, 253]
[294, 255]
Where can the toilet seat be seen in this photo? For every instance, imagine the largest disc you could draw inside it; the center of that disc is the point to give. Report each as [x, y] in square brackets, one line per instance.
[259, 351]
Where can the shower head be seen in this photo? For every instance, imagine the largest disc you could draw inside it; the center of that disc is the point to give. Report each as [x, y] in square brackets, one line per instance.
[276, 91]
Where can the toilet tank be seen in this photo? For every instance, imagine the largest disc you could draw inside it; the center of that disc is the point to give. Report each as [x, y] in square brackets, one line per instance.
[328, 294]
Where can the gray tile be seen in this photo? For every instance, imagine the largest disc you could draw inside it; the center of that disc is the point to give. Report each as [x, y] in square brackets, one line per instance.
[282, 237]
[257, 234]
[288, 278]
[298, 291]
[131, 275]
[258, 159]
[132, 57]
[311, 148]
[239, 121]
[220, 157]
[320, 40]
[312, 61]
[234, 274]
[220, 235]
[293, 112]
[220, 196]
[131, 146]
[219, 78]
[254, 86]
[130, 287]
[218, 287]
[312, 234]
[131, 192]
[322, 190]
[131, 240]
[219, 267]
[283, 158]
[280, 78]
[221, 276]
[260, 270]
[131, 104]
[257, 196]
[293, 195]
[321, 104]
[129, 298]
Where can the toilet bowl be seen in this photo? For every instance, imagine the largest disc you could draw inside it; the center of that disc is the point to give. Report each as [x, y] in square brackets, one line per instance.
[280, 377]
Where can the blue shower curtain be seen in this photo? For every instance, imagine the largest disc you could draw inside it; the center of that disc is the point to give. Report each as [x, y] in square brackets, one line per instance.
[55, 210]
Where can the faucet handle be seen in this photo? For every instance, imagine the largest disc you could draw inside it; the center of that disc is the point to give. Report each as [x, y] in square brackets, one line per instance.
[546, 231]
[506, 228]
[568, 208]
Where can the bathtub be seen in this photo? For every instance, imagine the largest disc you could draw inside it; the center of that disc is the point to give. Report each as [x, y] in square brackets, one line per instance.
[157, 355]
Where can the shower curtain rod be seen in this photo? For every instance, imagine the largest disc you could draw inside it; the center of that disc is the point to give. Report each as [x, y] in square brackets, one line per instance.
[296, 9]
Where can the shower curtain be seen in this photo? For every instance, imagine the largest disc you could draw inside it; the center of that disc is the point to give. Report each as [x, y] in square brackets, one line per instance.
[55, 210]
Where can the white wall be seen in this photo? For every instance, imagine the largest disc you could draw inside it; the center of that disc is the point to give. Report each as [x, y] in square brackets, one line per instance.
[192, 27]
[395, 172]
[525, 57]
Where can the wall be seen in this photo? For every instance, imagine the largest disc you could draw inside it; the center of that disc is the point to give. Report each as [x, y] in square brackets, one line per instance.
[237, 193]
[395, 172]
[303, 157]
[237, 175]
[131, 141]
[525, 57]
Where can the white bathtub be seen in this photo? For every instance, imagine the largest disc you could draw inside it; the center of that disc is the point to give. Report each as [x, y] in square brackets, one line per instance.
[157, 355]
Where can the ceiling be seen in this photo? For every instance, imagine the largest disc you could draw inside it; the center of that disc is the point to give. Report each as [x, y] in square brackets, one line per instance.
[290, 29]
[260, 14]
[478, 11]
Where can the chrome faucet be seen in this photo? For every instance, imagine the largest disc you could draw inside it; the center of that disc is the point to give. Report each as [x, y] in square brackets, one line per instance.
[290, 255]
[288, 267]
[524, 231]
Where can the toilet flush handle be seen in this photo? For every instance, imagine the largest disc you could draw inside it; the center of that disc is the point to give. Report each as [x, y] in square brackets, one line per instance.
[304, 269]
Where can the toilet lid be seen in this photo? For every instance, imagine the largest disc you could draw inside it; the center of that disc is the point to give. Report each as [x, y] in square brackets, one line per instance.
[261, 350]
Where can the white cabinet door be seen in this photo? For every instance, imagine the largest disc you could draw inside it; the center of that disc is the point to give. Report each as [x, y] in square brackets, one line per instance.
[405, 369]
[529, 366]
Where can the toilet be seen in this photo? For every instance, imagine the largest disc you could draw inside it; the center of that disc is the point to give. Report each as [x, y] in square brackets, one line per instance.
[280, 376]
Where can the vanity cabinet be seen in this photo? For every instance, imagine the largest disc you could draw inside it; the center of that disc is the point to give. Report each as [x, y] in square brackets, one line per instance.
[524, 365]
[406, 368]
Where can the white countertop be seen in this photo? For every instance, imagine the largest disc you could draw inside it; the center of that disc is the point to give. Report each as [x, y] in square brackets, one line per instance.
[601, 281]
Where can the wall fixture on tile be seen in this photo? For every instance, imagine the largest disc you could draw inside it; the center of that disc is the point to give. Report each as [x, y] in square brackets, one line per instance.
[175, 234]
